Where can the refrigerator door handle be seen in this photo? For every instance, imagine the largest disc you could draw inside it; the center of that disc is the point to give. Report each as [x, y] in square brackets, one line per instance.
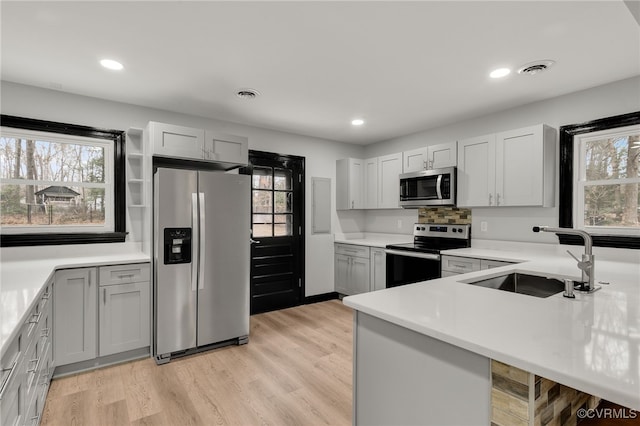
[202, 242]
[195, 241]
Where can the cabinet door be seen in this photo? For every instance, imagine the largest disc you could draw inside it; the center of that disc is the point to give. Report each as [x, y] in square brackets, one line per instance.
[389, 170]
[356, 187]
[414, 160]
[378, 275]
[442, 155]
[519, 167]
[341, 273]
[124, 317]
[359, 276]
[476, 171]
[349, 188]
[227, 148]
[371, 183]
[177, 141]
[74, 315]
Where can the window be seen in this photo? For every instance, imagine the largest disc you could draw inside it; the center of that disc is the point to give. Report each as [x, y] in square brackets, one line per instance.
[60, 183]
[600, 180]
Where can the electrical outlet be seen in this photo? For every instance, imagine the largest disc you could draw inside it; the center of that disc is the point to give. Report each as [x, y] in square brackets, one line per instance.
[483, 226]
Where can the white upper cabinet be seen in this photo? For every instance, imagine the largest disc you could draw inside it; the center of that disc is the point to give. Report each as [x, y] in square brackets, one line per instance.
[349, 184]
[227, 148]
[368, 184]
[442, 155]
[176, 141]
[389, 170]
[371, 183]
[430, 157]
[414, 160]
[512, 168]
[173, 141]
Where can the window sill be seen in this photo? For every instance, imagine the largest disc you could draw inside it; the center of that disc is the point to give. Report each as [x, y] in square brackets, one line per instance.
[20, 240]
[612, 241]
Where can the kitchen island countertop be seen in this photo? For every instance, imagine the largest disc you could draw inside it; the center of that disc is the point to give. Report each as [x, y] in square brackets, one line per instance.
[590, 343]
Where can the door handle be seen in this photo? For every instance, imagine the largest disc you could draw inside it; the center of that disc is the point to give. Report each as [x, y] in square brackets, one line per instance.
[252, 241]
[195, 241]
[201, 239]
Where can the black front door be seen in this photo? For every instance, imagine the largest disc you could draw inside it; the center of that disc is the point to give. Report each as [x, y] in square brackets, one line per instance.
[277, 223]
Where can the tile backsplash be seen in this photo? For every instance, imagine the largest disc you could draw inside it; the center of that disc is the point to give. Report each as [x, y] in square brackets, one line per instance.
[444, 215]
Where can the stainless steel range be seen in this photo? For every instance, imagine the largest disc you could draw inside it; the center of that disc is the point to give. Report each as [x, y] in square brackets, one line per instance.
[420, 260]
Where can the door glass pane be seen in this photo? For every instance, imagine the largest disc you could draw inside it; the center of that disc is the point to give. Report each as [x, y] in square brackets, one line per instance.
[262, 201]
[262, 225]
[282, 179]
[283, 202]
[283, 225]
[261, 178]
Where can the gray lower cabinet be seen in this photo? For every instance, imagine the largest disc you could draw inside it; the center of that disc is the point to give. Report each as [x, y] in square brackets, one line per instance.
[27, 366]
[124, 311]
[378, 269]
[352, 269]
[100, 311]
[75, 315]
[455, 265]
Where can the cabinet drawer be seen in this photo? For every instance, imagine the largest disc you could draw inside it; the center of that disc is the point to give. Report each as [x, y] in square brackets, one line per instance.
[12, 402]
[460, 265]
[119, 274]
[352, 250]
[488, 264]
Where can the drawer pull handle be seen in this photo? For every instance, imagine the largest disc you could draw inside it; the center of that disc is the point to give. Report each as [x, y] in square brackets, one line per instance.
[126, 276]
[45, 332]
[33, 370]
[35, 318]
[7, 379]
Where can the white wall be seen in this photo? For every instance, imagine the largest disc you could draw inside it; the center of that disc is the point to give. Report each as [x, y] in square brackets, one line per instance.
[320, 154]
[511, 223]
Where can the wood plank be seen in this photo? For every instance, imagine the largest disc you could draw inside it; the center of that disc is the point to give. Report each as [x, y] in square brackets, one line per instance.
[295, 370]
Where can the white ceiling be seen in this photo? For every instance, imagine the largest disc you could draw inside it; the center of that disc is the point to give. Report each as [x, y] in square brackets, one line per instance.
[401, 66]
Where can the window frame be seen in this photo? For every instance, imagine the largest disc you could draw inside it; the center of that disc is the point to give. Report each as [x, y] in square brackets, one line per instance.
[566, 172]
[119, 185]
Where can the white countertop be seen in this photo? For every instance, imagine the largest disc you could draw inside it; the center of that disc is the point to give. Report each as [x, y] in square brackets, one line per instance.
[590, 343]
[372, 239]
[23, 276]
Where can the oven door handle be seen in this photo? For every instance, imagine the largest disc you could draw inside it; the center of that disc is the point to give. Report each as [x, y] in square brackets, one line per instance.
[429, 256]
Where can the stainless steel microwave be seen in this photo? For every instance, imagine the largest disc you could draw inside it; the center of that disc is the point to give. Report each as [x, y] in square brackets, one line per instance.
[435, 187]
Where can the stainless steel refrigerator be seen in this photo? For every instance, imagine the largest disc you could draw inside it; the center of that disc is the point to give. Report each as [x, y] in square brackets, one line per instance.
[201, 260]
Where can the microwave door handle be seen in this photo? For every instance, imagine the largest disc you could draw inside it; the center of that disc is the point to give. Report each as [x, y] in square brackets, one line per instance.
[439, 187]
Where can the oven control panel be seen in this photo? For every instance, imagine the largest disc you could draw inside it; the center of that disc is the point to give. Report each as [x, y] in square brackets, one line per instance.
[440, 230]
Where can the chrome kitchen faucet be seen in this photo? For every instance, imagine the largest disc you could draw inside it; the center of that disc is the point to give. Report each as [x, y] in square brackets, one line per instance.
[587, 263]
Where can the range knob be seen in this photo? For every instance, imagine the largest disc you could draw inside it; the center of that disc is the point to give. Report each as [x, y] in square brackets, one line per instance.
[423, 228]
[454, 230]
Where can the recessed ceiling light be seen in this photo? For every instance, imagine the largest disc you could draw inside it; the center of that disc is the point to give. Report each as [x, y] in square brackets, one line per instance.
[357, 122]
[500, 72]
[111, 64]
[247, 94]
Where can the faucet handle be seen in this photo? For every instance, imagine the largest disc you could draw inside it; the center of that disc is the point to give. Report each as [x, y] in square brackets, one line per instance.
[574, 257]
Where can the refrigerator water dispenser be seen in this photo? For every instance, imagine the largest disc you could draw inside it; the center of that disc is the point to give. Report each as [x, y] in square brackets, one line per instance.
[177, 245]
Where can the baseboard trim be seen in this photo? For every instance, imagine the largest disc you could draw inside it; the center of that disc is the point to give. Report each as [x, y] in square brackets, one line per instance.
[321, 297]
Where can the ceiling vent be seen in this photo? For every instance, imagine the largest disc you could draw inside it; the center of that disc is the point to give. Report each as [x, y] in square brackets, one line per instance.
[247, 94]
[533, 68]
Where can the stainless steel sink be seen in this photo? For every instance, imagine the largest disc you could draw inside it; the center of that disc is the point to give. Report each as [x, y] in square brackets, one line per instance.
[517, 282]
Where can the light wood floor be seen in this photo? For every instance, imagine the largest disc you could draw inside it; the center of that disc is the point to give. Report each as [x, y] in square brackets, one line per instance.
[296, 370]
